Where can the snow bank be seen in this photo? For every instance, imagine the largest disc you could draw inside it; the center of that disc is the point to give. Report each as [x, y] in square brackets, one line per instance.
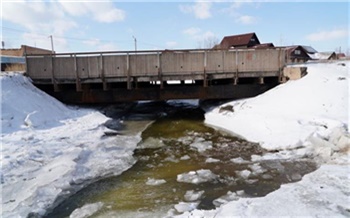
[307, 117]
[50, 151]
[323, 193]
[287, 115]
[22, 107]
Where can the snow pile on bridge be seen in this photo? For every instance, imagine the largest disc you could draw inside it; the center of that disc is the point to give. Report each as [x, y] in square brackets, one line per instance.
[49, 151]
[306, 118]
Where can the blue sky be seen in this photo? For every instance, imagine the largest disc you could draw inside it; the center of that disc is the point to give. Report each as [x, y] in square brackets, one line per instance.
[111, 25]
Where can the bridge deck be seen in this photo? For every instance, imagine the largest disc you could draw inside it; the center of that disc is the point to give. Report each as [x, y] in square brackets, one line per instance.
[150, 75]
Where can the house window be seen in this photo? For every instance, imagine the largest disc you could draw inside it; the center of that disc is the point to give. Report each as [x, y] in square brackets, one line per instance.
[252, 40]
[297, 52]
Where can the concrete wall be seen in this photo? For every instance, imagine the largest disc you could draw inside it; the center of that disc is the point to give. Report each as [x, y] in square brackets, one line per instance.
[152, 64]
[294, 73]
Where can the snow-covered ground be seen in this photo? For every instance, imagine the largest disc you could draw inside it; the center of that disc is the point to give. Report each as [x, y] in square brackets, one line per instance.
[49, 150]
[307, 117]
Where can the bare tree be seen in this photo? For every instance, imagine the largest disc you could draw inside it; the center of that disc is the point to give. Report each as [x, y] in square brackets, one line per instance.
[208, 42]
[338, 50]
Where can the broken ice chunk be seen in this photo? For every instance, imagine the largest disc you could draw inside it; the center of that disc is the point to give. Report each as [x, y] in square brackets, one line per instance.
[152, 181]
[192, 195]
[196, 177]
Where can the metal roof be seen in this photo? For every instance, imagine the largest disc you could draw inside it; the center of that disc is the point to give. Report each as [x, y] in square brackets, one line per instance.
[309, 49]
[322, 55]
[238, 40]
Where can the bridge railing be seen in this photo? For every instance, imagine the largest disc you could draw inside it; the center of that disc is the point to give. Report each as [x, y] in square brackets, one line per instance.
[153, 65]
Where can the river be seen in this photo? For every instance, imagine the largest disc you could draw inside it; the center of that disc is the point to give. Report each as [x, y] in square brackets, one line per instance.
[180, 159]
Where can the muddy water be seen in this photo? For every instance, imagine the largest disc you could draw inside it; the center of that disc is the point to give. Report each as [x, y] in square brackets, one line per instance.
[178, 143]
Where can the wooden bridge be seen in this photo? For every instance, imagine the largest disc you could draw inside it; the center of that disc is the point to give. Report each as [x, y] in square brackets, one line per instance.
[107, 77]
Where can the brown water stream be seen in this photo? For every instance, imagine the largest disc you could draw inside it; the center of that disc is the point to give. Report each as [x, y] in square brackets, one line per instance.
[179, 143]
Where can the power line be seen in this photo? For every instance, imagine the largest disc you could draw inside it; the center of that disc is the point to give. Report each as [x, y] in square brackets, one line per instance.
[62, 37]
[42, 35]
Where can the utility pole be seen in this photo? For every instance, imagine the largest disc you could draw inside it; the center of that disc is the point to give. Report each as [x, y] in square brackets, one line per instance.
[53, 51]
[135, 42]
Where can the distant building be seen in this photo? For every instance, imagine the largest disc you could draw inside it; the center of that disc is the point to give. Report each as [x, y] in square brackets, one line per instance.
[238, 41]
[264, 46]
[324, 56]
[25, 49]
[13, 59]
[296, 54]
[309, 49]
[341, 56]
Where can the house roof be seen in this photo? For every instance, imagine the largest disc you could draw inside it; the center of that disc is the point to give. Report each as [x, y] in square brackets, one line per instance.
[264, 45]
[238, 40]
[322, 55]
[309, 49]
[341, 55]
[290, 49]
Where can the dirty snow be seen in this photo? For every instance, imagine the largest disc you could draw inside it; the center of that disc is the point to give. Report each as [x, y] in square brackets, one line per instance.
[305, 118]
[49, 150]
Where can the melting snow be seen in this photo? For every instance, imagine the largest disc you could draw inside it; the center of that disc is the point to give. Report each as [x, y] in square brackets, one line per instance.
[196, 177]
[192, 195]
[151, 181]
[87, 210]
[303, 118]
[49, 151]
[201, 144]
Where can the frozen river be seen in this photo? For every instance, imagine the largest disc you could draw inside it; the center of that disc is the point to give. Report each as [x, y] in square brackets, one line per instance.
[182, 164]
[163, 159]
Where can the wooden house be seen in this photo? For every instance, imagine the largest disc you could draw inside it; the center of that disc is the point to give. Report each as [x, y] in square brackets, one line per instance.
[247, 40]
[296, 54]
